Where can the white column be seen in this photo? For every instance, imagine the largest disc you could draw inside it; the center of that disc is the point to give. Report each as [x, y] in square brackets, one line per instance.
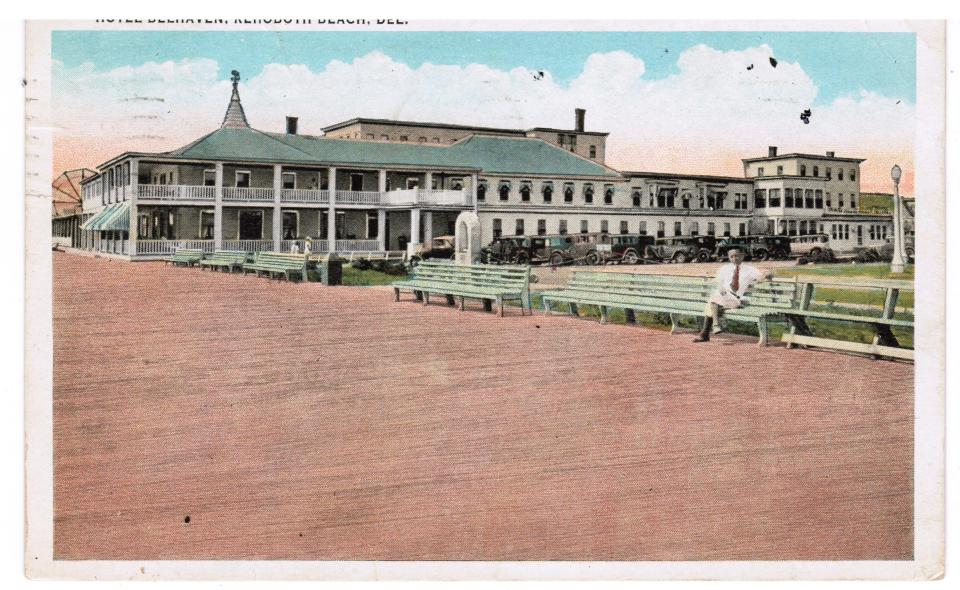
[429, 181]
[134, 190]
[474, 182]
[427, 226]
[218, 206]
[332, 211]
[382, 229]
[382, 181]
[277, 214]
[415, 227]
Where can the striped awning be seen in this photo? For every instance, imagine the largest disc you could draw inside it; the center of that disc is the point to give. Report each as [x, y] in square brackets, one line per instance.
[115, 217]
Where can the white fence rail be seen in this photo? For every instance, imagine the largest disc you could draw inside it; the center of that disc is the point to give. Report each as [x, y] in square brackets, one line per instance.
[302, 195]
[176, 192]
[248, 245]
[358, 197]
[247, 194]
[160, 247]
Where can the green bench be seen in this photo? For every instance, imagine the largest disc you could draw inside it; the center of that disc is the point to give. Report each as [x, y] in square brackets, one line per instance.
[881, 318]
[185, 256]
[488, 283]
[227, 260]
[676, 296]
[278, 264]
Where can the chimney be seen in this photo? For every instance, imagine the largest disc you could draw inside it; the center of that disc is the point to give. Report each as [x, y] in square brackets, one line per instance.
[581, 114]
[292, 125]
[771, 151]
[830, 154]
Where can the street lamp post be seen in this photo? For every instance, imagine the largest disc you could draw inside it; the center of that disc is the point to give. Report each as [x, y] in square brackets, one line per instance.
[898, 260]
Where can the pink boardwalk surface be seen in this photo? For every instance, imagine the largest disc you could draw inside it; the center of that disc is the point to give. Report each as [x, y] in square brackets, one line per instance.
[296, 421]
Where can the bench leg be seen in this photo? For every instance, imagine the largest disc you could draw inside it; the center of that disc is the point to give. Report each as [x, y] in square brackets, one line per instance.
[629, 316]
[451, 301]
[426, 298]
[884, 336]
[546, 306]
[573, 310]
[463, 305]
[418, 295]
[762, 329]
[673, 324]
[396, 294]
[603, 314]
[500, 303]
[488, 305]
[798, 325]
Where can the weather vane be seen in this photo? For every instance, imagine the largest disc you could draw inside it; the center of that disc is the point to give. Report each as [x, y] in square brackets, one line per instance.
[235, 77]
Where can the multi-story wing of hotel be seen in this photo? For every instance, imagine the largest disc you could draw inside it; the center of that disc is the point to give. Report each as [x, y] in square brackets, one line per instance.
[375, 185]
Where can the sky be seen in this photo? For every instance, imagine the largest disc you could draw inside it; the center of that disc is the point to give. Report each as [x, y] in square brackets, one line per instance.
[691, 102]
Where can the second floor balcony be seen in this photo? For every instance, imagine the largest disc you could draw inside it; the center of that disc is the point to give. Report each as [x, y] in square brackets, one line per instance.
[233, 195]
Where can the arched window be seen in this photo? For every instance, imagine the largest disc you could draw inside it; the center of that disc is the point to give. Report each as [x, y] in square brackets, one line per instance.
[547, 192]
[568, 192]
[504, 191]
[588, 193]
[608, 195]
[525, 191]
[685, 200]
[482, 190]
[637, 195]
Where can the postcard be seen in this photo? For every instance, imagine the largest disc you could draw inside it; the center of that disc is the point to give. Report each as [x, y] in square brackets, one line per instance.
[407, 299]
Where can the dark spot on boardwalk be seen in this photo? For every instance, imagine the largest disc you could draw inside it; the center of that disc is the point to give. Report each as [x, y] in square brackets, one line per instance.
[186, 519]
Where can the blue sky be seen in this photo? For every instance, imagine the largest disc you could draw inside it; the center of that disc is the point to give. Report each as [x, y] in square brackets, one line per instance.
[839, 63]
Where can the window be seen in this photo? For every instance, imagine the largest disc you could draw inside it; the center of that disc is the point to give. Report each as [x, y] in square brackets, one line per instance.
[288, 179]
[608, 195]
[163, 178]
[853, 201]
[643, 228]
[694, 228]
[209, 178]
[721, 197]
[816, 171]
[873, 232]
[497, 227]
[126, 173]
[678, 228]
[562, 227]
[853, 174]
[291, 225]
[711, 228]
[404, 138]
[384, 137]
[241, 179]
[456, 184]
[792, 227]
[604, 226]
[541, 227]
[593, 151]
[803, 227]
[624, 226]
[547, 192]
[840, 200]
[829, 173]
[760, 171]
[373, 227]
[775, 197]
[803, 170]
[568, 192]
[779, 170]
[808, 198]
[759, 198]
[743, 229]
[422, 140]
[726, 230]
[525, 187]
[637, 195]
[370, 136]
[685, 201]
[588, 193]
[818, 199]
[661, 229]
[839, 173]
[519, 227]
[505, 191]
[482, 190]
[584, 226]
[828, 202]
[206, 225]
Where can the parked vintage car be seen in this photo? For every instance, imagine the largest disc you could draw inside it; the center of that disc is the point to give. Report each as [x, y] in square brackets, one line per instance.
[591, 248]
[755, 247]
[440, 247]
[629, 249]
[813, 247]
[557, 250]
[682, 249]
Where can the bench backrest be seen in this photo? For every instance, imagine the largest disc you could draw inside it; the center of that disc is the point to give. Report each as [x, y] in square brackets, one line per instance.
[233, 256]
[506, 277]
[776, 293]
[282, 260]
[188, 253]
[878, 295]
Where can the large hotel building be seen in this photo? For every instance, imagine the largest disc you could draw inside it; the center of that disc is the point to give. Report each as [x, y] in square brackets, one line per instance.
[375, 185]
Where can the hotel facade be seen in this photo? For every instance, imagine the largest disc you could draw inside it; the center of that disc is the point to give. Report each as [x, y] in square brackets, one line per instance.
[378, 185]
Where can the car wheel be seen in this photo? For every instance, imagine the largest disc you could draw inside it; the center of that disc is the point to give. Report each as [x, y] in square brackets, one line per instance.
[680, 257]
[703, 256]
[522, 258]
[415, 260]
[630, 257]
[816, 254]
[761, 255]
[592, 258]
[556, 259]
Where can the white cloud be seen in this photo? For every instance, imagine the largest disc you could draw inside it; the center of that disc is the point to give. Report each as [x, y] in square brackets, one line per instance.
[718, 101]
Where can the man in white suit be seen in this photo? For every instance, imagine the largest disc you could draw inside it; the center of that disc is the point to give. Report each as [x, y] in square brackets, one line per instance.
[732, 282]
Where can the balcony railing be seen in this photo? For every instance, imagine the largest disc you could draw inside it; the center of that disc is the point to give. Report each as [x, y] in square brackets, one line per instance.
[176, 192]
[303, 195]
[168, 247]
[247, 194]
[358, 197]
[421, 196]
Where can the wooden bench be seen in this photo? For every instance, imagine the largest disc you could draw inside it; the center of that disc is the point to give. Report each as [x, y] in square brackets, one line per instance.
[676, 296]
[185, 256]
[227, 260]
[487, 283]
[881, 318]
[278, 263]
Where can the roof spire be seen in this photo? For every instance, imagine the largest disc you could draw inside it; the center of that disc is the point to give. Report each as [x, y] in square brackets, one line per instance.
[235, 117]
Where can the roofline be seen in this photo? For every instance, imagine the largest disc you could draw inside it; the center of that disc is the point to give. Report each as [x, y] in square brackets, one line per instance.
[807, 156]
[603, 133]
[356, 120]
[667, 175]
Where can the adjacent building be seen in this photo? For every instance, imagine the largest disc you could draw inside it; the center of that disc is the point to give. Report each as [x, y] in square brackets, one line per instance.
[376, 184]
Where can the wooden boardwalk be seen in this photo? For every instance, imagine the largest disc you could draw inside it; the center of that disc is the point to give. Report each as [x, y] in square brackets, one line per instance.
[295, 421]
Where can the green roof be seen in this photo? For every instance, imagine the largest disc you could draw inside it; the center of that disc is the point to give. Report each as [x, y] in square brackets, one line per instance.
[495, 155]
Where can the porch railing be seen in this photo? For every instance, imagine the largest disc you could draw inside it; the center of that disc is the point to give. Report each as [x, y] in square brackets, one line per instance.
[303, 195]
[176, 192]
[247, 194]
[248, 245]
[358, 197]
[358, 245]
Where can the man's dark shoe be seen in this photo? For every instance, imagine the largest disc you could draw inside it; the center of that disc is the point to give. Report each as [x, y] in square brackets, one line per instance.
[702, 337]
